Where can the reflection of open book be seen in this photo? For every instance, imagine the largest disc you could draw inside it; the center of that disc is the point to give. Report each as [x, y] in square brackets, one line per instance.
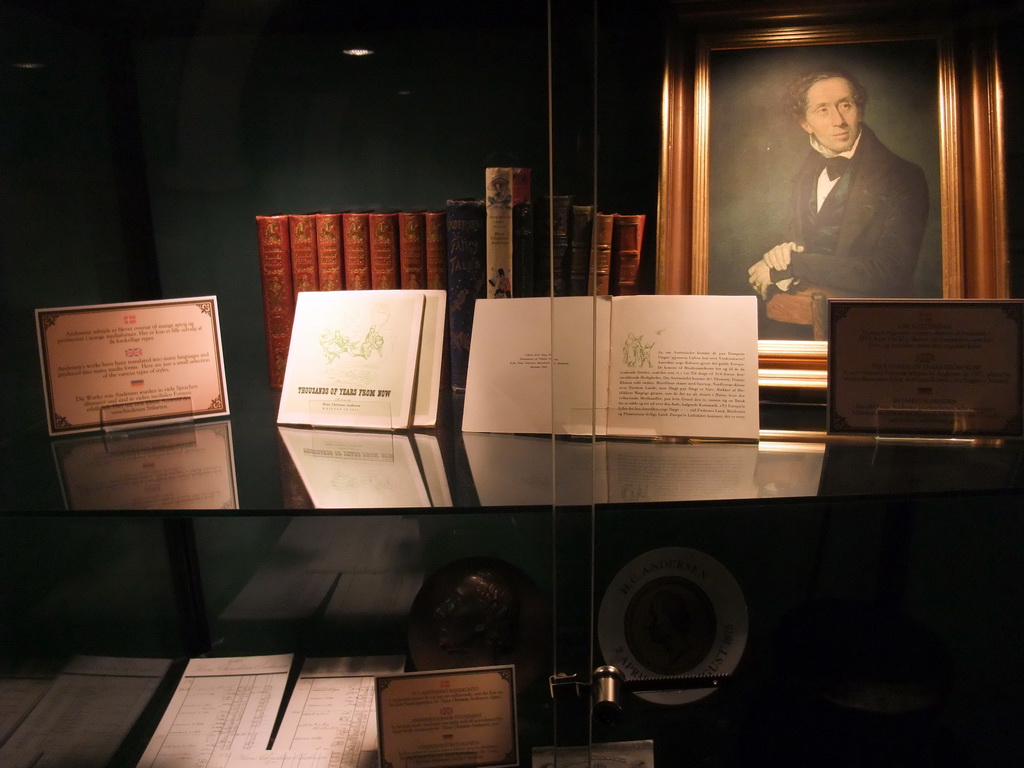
[367, 470]
[527, 470]
[638, 366]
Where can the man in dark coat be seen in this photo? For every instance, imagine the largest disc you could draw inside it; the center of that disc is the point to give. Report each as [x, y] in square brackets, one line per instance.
[858, 210]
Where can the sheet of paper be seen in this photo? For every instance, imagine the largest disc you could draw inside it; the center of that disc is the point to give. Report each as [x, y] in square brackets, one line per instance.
[684, 366]
[353, 359]
[510, 386]
[926, 368]
[85, 713]
[188, 466]
[227, 704]
[356, 470]
[461, 717]
[333, 707]
[428, 376]
[18, 696]
[110, 365]
[270, 758]
[624, 754]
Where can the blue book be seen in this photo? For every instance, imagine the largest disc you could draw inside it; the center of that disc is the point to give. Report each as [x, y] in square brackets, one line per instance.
[467, 267]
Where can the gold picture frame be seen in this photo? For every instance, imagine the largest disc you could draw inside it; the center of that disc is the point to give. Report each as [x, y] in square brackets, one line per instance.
[969, 198]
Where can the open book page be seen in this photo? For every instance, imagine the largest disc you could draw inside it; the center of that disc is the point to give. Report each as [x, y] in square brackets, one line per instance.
[684, 366]
[353, 359]
[510, 387]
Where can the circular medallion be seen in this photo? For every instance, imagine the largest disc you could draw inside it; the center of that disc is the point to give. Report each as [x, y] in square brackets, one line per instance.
[673, 612]
[480, 611]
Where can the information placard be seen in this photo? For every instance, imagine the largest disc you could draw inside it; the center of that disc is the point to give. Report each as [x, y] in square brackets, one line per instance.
[117, 365]
[926, 367]
[462, 718]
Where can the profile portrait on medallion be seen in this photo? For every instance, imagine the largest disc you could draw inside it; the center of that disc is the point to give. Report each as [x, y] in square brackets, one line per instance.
[673, 612]
[830, 183]
[476, 612]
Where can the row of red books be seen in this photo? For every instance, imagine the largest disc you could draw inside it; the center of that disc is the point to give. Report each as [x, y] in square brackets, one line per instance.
[416, 250]
[342, 251]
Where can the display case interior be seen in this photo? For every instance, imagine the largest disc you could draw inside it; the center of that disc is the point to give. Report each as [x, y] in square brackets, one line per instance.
[839, 600]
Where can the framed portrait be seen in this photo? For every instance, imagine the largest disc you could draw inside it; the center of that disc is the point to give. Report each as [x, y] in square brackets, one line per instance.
[919, 214]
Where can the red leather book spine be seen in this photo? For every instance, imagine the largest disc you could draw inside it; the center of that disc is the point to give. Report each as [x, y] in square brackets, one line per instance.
[412, 249]
[437, 250]
[278, 298]
[356, 250]
[328, 251]
[627, 239]
[384, 270]
[302, 233]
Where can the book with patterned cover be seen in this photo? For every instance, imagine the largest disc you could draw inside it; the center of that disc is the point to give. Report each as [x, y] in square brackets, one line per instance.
[328, 251]
[302, 236]
[278, 296]
[467, 264]
[412, 249]
[384, 269]
[355, 243]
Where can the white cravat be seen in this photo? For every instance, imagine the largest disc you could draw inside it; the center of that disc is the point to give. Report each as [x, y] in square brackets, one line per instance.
[825, 184]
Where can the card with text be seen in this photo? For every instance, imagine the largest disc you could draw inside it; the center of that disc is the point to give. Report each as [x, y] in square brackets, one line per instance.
[926, 368]
[463, 718]
[119, 365]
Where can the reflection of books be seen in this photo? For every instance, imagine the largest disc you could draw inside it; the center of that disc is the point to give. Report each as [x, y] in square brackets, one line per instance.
[364, 359]
[357, 470]
[178, 467]
[638, 366]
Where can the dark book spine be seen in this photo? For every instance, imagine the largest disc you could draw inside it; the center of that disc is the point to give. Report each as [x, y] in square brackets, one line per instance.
[582, 236]
[278, 297]
[384, 270]
[553, 245]
[302, 233]
[627, 239]
[602, 253]
[522, 249]
[467, 264]
[328, 251]
[356, 250]
[412, 249]
[437, 250]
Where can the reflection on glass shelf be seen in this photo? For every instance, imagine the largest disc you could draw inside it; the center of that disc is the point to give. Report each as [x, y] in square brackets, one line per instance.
[81, 716]
[189, 466]
[367, 470]
[522, 470]
[912, 466]
[334, 567]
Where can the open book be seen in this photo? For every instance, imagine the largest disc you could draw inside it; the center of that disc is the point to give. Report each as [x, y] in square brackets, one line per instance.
[630, 366]
[364, 359]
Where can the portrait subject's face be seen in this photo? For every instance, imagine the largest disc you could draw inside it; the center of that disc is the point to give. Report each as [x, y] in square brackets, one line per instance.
[832, 116]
